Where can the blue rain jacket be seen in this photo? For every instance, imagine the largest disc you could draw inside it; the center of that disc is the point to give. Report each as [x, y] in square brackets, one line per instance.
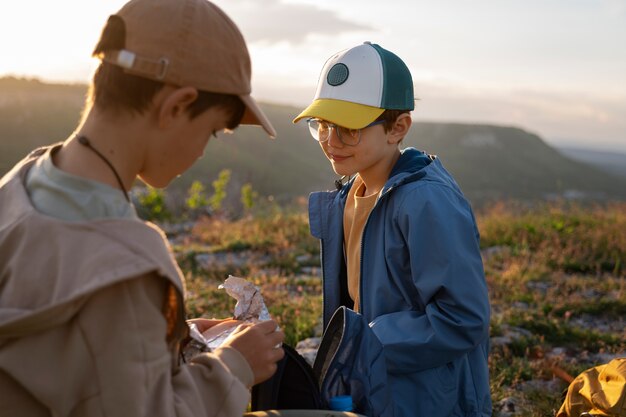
[422, 290]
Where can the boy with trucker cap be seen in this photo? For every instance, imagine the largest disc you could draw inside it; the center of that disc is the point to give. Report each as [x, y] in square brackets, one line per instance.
[92, 314]
[399, 240]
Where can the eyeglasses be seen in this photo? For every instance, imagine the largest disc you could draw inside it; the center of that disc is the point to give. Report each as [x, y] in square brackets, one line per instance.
[321, 130]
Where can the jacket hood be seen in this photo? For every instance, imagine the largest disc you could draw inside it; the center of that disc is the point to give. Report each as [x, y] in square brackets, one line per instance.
[49, 267]
[408, 168]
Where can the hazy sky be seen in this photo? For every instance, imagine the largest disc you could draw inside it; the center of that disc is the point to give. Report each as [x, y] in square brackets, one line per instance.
[554, 67]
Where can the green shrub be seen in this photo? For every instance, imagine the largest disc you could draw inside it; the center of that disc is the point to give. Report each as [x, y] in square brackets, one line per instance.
[151, 205]
[219, 189]
[248, 196]
[196, 196]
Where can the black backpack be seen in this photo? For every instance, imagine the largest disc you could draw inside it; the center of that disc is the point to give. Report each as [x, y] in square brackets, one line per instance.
[293, 386]
[298, 386]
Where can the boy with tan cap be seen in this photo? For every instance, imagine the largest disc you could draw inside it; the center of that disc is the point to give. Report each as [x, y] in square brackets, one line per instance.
[399, 247]
[92, 315]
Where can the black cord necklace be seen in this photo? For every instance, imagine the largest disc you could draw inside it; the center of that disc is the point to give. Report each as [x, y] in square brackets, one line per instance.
[85, 142]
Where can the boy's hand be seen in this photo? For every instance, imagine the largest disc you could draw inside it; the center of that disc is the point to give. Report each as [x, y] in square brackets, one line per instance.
[205, 324]
[260, 345]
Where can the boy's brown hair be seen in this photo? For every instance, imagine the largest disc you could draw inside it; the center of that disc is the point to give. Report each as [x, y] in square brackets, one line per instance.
[115, 91]
[389, 117]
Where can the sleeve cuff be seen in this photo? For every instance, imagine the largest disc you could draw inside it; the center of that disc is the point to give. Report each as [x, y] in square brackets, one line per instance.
[236, 363]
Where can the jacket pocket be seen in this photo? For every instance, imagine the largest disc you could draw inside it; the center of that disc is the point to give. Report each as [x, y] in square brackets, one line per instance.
[350, 361]
[447, 377]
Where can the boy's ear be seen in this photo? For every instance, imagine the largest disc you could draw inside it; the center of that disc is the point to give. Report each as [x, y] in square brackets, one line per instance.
[400, 128]
[174, 103]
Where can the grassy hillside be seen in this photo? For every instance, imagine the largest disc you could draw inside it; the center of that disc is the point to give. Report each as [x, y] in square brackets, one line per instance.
[489, 162]
[556, 273]
[556, 277]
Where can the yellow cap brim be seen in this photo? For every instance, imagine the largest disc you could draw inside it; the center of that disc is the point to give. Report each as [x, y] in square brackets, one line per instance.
[342, 113]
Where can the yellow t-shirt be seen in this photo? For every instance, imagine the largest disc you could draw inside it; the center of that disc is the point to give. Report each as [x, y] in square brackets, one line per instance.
[356, 212]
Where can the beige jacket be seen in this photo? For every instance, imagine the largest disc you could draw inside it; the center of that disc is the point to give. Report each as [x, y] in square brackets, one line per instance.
[91, 320]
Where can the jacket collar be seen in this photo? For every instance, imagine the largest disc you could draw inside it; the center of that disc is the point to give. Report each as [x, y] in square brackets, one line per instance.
[408, 168]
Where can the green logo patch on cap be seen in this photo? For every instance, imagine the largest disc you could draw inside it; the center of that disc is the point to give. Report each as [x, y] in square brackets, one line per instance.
[338, 74]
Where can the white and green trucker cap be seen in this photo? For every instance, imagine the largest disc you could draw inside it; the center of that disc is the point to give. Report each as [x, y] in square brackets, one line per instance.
[358, 84]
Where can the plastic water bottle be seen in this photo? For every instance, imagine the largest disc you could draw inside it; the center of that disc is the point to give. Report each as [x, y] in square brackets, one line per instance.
[341, 403]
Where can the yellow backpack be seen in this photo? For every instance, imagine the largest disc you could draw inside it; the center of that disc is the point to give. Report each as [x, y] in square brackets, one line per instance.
[599, 391]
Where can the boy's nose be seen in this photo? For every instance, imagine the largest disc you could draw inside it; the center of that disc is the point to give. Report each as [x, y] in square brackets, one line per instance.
[333, 139]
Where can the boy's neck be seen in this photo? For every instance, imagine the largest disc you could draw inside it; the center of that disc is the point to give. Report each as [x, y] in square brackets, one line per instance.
[120, 139]
[375, 177]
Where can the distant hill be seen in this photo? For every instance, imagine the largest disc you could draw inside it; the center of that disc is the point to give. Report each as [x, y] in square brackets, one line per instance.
[611, 162]
[495, 162]
[33, 113]
[489, 162]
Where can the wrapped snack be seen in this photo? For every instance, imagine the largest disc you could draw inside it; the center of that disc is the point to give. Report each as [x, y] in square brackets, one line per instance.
[250, 308]
[250, 305]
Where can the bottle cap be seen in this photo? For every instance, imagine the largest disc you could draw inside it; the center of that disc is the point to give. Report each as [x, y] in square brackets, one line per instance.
[341, 403]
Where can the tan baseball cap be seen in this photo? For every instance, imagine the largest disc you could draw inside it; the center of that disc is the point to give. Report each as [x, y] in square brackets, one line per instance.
[185, 43]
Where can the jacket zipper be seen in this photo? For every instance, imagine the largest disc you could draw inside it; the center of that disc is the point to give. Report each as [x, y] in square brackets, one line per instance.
[324, 298]
[362, 240]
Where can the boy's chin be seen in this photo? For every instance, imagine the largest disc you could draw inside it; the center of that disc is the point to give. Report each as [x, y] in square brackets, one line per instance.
[156, 182]
[341, 172]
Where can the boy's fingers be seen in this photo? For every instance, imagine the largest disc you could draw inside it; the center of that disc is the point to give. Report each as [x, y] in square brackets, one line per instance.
[277, 354]
[241, 327]
[273, 338]
[268, 326]
[276, 337]
[203, 323]
[267, 331]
